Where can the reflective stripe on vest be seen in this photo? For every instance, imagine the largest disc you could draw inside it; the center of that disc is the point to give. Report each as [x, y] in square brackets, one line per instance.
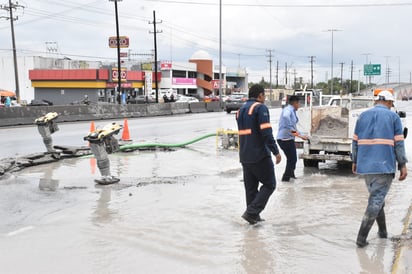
[265, 125]
[388, 142]
[245, 132]
[252, 108]
[399, 138]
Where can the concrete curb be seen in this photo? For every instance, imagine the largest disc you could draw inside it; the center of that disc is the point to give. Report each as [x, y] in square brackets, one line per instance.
[403, 253]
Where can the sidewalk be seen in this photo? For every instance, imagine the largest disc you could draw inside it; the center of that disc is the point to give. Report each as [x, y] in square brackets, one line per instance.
[403, 256]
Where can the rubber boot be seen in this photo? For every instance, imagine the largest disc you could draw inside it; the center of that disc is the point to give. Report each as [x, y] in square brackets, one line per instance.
[364, 229]
[381, 221]
[285, 178]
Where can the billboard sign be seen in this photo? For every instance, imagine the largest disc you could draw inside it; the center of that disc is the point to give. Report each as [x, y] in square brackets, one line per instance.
[165, 65]
[123, 40]
[115, 75]
[184, 81]
[148, 82]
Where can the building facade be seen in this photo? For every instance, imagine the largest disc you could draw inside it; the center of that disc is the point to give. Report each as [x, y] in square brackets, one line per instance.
[64, 81]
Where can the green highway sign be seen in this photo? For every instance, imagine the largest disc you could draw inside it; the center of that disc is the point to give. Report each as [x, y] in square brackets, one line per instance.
[371, 69]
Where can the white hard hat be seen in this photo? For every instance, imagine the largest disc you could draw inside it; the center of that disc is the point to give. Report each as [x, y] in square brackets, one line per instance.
[385, 95]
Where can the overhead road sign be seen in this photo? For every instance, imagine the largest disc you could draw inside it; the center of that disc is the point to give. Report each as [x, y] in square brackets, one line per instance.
[371, 69]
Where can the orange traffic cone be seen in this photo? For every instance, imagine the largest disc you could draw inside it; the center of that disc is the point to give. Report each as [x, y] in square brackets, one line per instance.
[92, 127]
[126, 133]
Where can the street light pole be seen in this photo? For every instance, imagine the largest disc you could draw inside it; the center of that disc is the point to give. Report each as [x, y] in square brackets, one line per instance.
[220, 55]
[119, 68]
[331, 62]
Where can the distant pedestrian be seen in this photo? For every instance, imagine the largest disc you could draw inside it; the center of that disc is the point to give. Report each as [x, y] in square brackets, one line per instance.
[256, 143]
[7, 102]
[378, 143]
[286, 136]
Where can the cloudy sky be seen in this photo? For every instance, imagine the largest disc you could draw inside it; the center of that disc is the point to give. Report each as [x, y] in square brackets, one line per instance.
[293, 29]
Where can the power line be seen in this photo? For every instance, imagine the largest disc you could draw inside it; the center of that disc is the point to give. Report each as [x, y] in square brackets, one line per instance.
[359, 5]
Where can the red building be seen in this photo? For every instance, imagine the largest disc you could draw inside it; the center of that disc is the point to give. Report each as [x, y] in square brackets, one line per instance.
[63, 86]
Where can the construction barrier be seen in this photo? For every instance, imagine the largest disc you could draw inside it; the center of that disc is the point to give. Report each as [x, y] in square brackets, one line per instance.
[213, 107]
[14, 116]
[197, 107]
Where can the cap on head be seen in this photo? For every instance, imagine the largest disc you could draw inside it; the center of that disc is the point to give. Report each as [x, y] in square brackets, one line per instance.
[385, 95]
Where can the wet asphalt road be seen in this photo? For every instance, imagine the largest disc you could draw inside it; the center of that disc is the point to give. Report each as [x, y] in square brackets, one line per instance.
[179, 211]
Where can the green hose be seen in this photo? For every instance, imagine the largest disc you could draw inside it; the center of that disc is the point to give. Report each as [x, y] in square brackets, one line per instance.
[154, 145]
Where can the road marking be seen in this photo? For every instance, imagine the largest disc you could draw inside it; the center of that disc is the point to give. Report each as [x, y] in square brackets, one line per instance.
[21, 230]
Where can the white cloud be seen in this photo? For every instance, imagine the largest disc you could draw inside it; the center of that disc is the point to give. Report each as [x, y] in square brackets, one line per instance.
[82, 27]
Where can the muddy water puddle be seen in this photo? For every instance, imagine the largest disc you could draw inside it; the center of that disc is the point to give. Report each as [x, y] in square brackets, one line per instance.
[179, 212]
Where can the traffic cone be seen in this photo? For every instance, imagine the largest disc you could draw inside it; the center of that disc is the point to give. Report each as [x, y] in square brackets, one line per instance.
[92, 127]
[126, 133]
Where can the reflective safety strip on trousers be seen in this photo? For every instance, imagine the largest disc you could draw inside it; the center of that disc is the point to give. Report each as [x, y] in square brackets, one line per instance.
[388, 142]
[245, 132]
[265, 125]
[355, 137]
[252, 108]
[399, 138]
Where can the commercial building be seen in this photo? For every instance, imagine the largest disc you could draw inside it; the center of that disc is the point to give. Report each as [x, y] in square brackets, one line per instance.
[64, 81]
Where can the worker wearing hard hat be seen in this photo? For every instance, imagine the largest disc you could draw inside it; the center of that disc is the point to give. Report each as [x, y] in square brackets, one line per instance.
[378, 143]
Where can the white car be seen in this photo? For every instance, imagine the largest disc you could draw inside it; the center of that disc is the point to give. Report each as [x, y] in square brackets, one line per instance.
[186, 99]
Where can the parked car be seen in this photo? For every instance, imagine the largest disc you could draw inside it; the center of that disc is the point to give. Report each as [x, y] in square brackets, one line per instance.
[186, 99]
[141, 99]
[235, 101]
[36, 102]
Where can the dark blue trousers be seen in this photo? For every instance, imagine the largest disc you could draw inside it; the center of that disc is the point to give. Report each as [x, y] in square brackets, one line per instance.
[263, 172]
[289, 148]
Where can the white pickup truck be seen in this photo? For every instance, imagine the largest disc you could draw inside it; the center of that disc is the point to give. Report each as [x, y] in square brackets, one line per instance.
[330, 128]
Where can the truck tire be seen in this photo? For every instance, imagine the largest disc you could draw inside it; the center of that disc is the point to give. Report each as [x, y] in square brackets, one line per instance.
[310, 163]
[228, 111]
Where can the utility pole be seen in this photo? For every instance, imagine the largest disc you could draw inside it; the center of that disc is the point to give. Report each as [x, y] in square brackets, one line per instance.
[387, 70]
[52, 47]
[10, 8]
[341, 75]
[351, 76]
[312, 60]
[366, 63]
[294, 78]
[220, 56]
[277, 74]
[270, 72]
[155, 32]
[286, 74]
[331, 62]
[119, 68]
